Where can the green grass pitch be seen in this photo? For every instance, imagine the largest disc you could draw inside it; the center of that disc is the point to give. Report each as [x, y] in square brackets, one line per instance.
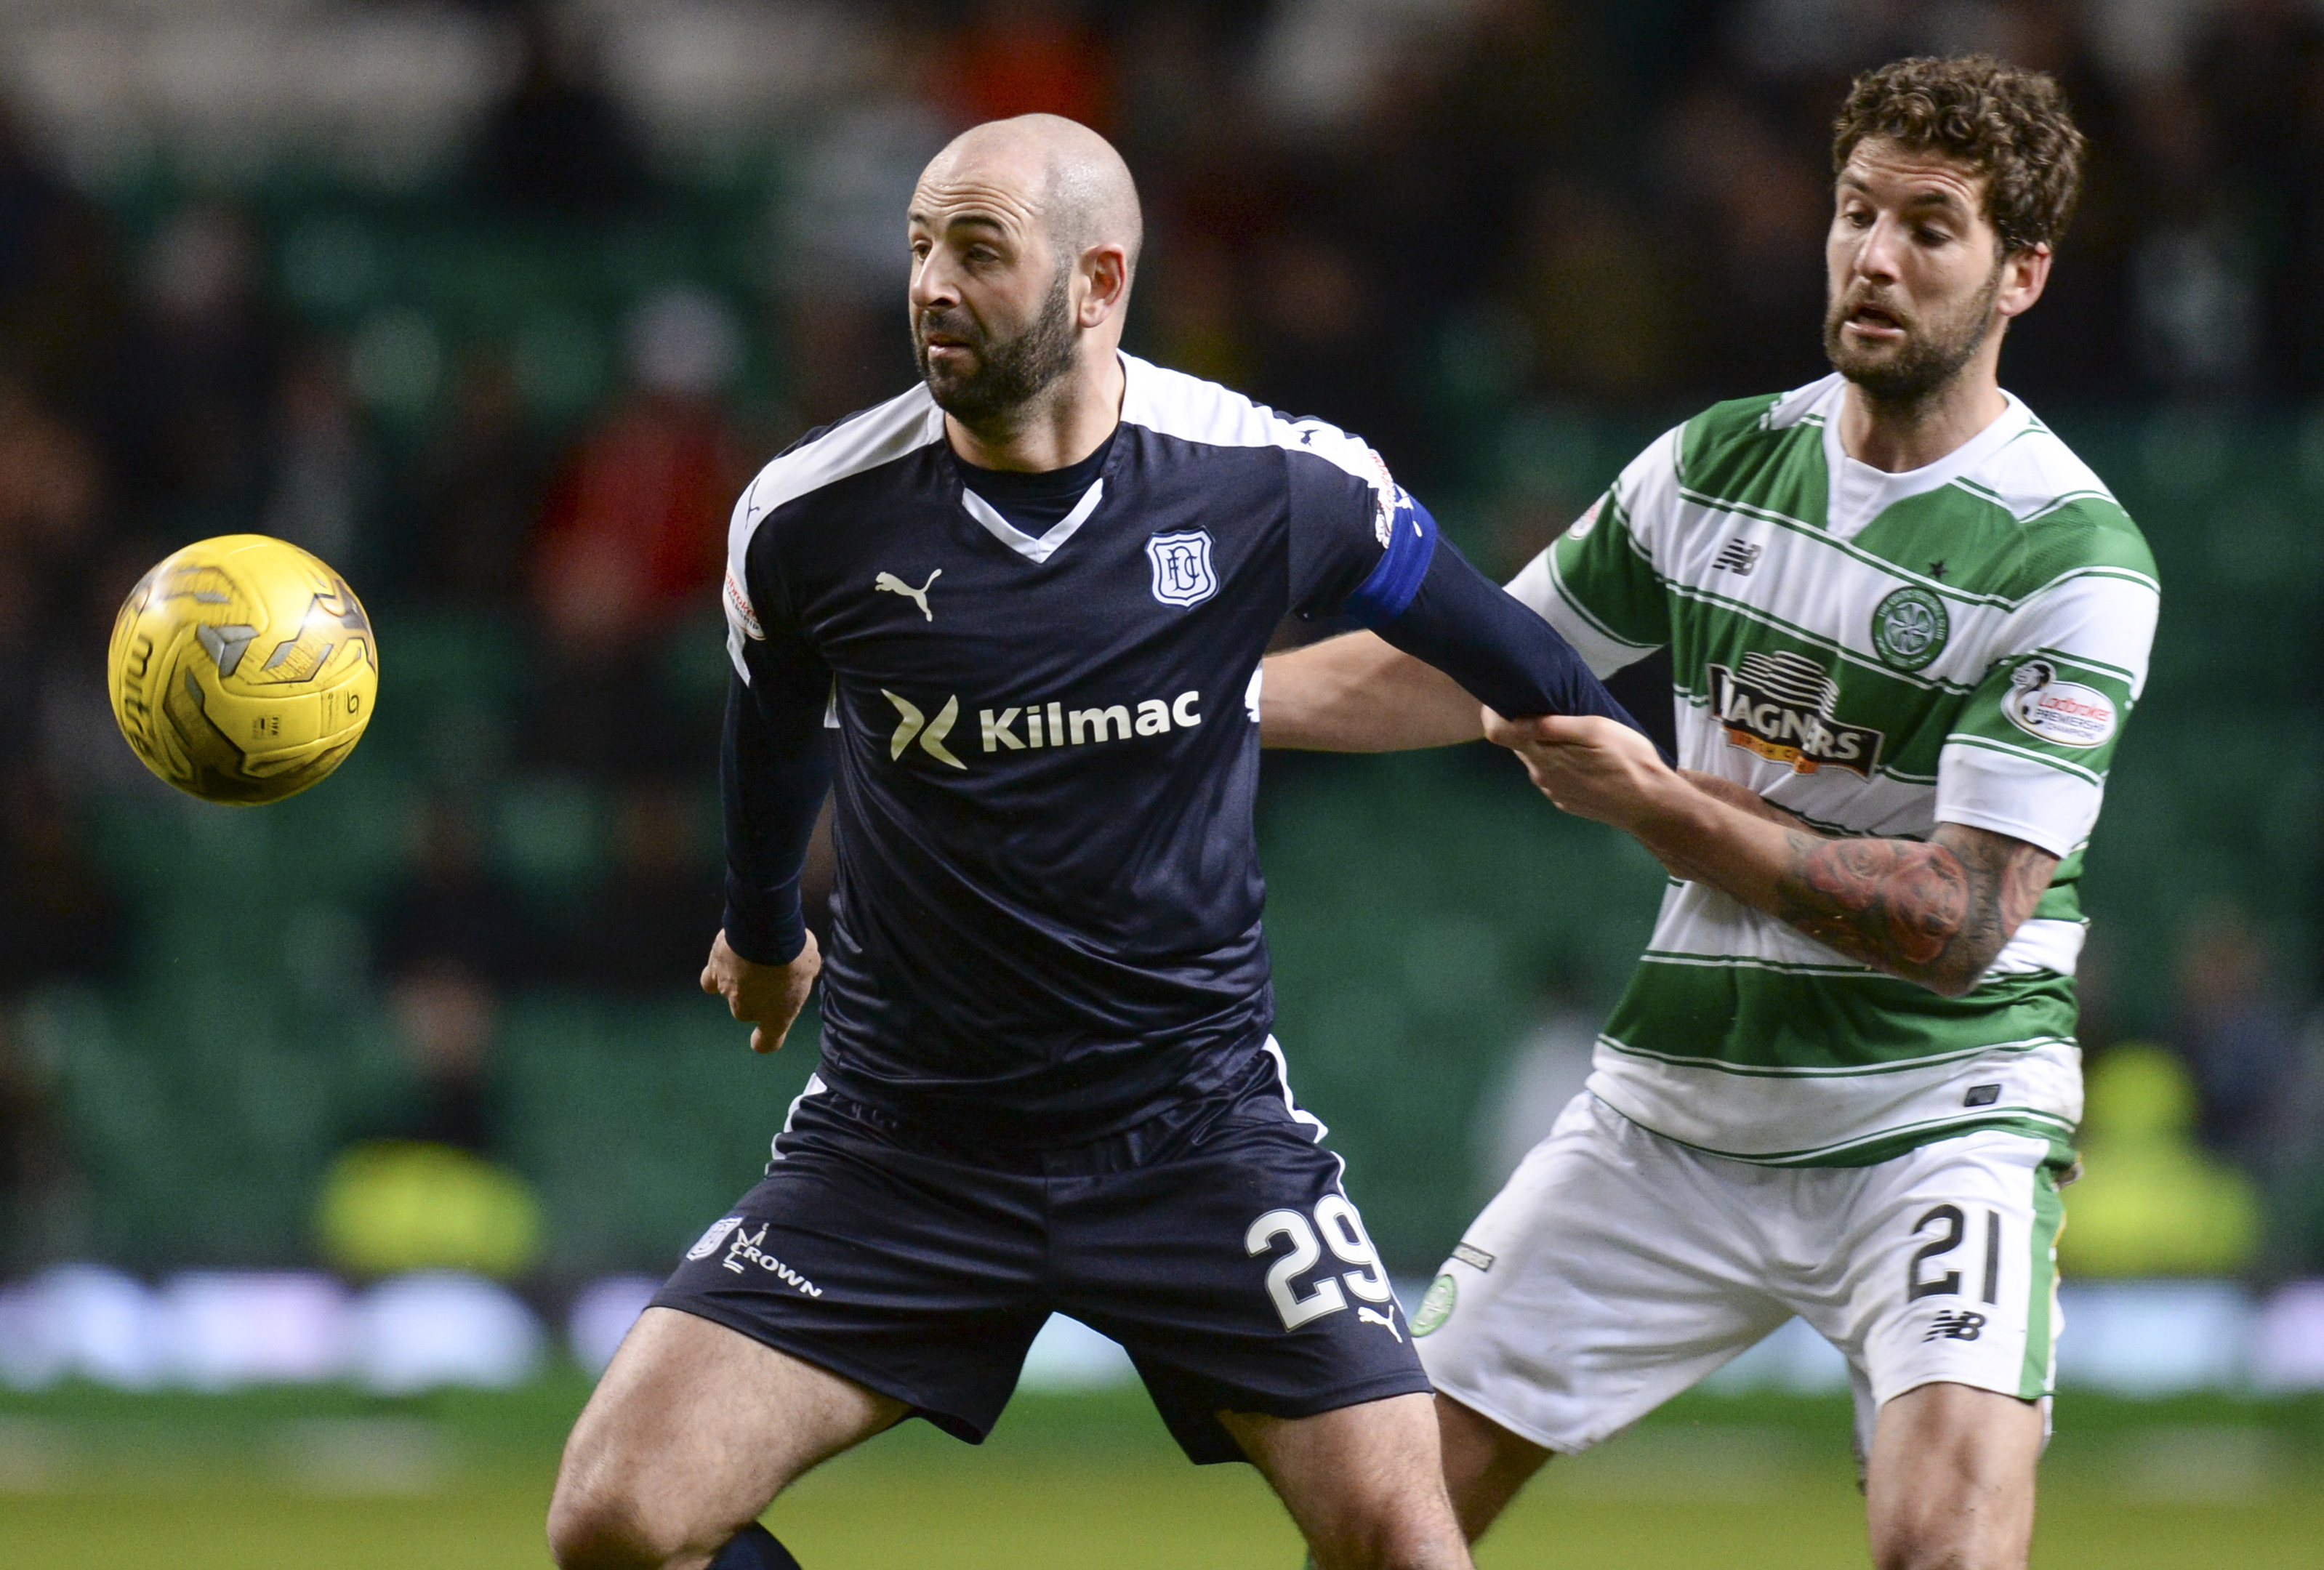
[458, 1482]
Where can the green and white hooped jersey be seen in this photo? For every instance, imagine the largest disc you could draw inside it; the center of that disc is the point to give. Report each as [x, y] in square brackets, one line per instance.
[1876, 653]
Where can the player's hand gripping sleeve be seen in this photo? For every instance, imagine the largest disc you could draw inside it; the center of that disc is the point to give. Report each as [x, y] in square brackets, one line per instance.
[1426, 598]
[774, 770]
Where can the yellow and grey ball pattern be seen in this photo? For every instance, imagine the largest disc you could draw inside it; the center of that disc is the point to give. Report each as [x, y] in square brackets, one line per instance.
[243, 669]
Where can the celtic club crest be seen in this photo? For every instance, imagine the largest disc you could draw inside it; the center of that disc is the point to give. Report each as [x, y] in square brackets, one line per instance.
[1436, 1305]
[1909, 628]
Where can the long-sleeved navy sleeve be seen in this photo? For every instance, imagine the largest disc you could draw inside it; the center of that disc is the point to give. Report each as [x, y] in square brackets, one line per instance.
[1507, 658]
[774, 771]
[1421, 595]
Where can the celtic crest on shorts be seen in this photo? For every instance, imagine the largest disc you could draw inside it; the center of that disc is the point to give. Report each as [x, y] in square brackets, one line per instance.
[1436, 1305]
[1909, 628]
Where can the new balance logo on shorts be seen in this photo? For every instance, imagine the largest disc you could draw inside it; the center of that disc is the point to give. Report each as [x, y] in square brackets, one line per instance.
[1956, 1325]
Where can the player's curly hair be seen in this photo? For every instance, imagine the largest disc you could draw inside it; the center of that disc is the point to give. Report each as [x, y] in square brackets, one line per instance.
[2009, 124]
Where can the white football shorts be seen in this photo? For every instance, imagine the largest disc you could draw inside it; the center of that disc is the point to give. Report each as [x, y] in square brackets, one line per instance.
[1617, 1268]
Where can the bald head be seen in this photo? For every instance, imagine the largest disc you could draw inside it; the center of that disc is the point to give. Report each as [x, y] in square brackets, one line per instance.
[1065, 176]
[1023, 233]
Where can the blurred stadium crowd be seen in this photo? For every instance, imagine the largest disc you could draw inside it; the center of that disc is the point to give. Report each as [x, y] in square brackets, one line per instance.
[494, 307]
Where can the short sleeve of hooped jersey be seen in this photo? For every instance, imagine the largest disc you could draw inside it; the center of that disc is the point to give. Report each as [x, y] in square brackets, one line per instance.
[2029, 751]
[1598, 584]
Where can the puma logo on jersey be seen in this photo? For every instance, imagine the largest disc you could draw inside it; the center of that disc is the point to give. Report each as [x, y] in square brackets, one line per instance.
[1373, 1316]
[889, 583]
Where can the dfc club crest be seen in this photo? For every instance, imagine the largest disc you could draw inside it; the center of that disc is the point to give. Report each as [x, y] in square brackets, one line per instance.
[1182, 567]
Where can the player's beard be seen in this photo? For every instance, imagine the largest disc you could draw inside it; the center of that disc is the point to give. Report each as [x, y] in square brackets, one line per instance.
[1007, 374]
[1933, 354]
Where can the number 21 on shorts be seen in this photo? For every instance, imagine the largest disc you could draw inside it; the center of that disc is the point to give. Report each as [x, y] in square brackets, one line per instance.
[1951, 1229]
[1342, 1231]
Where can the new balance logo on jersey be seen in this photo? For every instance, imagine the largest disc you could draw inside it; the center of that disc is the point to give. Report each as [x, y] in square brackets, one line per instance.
[889, 583]
[1779, 705]
[1739, 557]
[1955, 1325]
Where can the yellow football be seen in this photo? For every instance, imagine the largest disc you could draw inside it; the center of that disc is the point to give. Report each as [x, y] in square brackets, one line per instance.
[243, 669]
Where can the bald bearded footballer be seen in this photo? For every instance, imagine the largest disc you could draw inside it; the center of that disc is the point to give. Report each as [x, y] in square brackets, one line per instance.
[1013, 619]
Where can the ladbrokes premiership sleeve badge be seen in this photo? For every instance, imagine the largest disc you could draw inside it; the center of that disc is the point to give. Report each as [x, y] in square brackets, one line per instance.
[2066, 713]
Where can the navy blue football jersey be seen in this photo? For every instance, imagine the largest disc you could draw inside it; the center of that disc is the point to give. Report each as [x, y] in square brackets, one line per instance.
[1044, 748]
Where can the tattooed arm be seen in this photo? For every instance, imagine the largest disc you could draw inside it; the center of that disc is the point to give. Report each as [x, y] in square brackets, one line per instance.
[1933, 912]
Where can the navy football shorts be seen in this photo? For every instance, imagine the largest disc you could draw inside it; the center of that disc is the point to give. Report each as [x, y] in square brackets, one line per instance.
[1215, 1243]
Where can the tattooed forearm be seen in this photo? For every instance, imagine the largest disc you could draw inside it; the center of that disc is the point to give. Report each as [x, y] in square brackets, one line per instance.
[1934, 912]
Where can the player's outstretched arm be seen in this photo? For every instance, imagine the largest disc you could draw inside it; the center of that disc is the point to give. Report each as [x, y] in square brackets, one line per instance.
[1420, 597]
[1377, 559]
[1491, 644]
[1356, 694]
[1935, 911]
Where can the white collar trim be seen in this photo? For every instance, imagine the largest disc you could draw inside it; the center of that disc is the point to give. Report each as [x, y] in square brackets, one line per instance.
[1036, 552]
[1859, 493]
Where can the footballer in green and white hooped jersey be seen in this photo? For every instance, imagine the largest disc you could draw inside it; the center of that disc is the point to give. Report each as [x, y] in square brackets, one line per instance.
[1907, 627]
[1798, 1132]
[1874, 653]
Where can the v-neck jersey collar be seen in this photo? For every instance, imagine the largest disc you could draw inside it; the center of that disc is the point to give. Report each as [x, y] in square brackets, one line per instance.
[1034, 549]
[1858, 493]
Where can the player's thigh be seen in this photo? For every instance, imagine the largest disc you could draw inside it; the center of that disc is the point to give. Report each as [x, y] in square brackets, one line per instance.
[1485, 1464]
[1950, 1480]
[906, 1270]
[1364, 1483]
[1947, 1271]
[1613, 1270]
[691, 1432]
[1239, 1275]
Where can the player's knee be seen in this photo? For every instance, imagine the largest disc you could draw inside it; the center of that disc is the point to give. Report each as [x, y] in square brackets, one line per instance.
[1939, 1546]
[1420, 1538]
[1914, 1553]
[599, 1531]
[1446, 1553]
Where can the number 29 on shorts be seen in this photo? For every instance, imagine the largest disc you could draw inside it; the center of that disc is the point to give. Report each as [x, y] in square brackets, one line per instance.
[1342, 1231]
